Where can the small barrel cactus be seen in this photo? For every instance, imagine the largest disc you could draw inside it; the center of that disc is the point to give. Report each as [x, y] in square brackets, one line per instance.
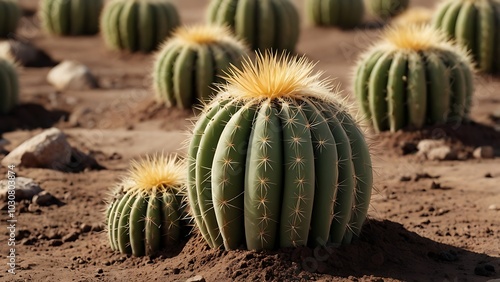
[9, 87]
[476, 25]
[10, 14]
[71, 17]
[412, 78]
[146, 209]
[192, 61]
[386, 9]
[270, 24]
[138, 25]
[414, 16]
[342, 13]
[276, 161]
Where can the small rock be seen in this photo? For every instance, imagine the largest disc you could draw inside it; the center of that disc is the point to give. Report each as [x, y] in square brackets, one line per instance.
[71, 75]
[25, 54]
[97, 227]
[55, 243]
[494, 207]
[405, 178]
[197, 278]
[71, 237]
[85, 228]
[26, 188]
[443, 153]
[426, 145]
[484, 152]
[49, 149]
[76, 118]
[408, 148]
[45, 199]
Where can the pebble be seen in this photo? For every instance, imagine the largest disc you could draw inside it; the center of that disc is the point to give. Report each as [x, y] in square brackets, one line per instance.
[85, 228]
[71, 237]
[44, 199]
[197, 278]
[55, 243]
[484, 152]
[494, 207]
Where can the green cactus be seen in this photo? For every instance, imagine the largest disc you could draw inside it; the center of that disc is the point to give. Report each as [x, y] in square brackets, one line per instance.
[476, 25]
[10, 14]
[138, 25]
[192, 61]
[342, 13]
[276, 161]
[71, 17]
[271, 24]
[414, 77]
[386, 9]
[147, 209]
[9, 87]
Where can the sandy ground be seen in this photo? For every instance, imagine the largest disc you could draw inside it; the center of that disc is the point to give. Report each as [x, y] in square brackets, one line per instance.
[435, 227]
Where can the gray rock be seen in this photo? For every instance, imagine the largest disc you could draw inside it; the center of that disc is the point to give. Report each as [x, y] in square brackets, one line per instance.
[45, 199]
[71, 75]
[26, 189]
[484, 152]
[49, 149]
[197, 278]
[426, 145]
[443, 153]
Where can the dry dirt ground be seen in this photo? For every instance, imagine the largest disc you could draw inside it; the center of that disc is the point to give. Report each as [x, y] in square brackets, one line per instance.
[429, 221]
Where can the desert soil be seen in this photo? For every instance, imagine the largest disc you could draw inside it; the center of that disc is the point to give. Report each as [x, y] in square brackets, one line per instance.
[429, 220]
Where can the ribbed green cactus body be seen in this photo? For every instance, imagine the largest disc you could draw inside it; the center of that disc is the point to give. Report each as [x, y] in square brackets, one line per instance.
[341, 13]
[476, 25]
[71, 17]
[10, 14]
[269, 24]
[278, 173]
[136, 25]
[398, 89]
[9, 87]
[385, 9]
[187, 73]
[143, 224]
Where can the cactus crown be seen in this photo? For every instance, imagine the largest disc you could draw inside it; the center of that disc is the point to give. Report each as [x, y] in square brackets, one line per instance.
[205, 34]
[156, 174]
[274, 76]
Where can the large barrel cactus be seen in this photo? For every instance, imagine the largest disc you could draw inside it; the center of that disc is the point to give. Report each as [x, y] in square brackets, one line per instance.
[385, 9]
[9, 87]
[412, 78]
[192, 61]
[475, 24]
[270, 24]
[71, 17]
[146, 209]
[10, 13]
[276, 161]
[138, 25]
[342, 13]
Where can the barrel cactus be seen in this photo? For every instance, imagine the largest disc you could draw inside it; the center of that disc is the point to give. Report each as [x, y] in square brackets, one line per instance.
[145, 212]
[10, 14]
[386, 9]
[275, 160]
[342, 13]
[271, 24]
[71, 17]
[192, 61]
[9, 87]
[138, 25]
[412, 78]
[475, 24]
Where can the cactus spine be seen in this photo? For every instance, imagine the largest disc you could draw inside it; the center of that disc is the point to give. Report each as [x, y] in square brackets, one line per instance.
[138, 25]
[276, 161]
[476, 25]
[71, 17]
[145, 212]
[271, 24]
[10, 14]
[342, 13]
[192, 61]
[412, 78]
[9, 87]
[386, 9]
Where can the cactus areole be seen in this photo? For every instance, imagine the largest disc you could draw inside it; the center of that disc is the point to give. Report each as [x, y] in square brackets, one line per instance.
[414, 77]
[476, 25]
[276, 161]
[146, 209]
